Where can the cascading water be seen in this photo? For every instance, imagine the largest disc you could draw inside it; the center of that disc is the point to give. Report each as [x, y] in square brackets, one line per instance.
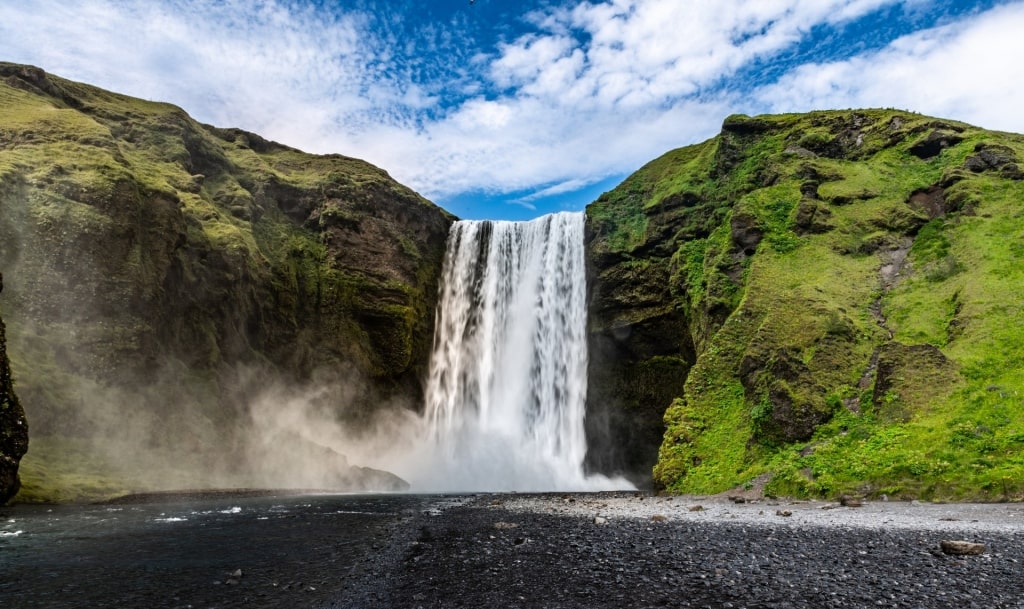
[507, 388]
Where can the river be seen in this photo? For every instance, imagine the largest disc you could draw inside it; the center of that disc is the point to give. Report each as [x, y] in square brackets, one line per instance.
[224, 550]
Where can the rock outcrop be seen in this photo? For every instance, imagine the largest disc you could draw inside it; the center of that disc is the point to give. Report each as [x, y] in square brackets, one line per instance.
[13, 428]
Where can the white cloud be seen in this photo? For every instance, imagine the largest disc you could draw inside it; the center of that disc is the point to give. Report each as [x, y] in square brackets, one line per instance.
[969, 71]
[591, 89]
[262, 66]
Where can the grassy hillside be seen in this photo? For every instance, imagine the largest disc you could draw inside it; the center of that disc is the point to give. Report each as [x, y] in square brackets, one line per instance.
[843, 291]
[160, 272]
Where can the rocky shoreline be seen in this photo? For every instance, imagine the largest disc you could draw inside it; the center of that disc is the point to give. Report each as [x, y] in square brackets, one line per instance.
[256, 549]
[632, 550]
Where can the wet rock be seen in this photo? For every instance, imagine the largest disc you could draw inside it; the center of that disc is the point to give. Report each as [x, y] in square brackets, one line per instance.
[961, 548]
[784, 513]
[13, 427]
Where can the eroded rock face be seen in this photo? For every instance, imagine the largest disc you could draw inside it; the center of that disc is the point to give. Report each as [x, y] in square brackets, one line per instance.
[13, 427]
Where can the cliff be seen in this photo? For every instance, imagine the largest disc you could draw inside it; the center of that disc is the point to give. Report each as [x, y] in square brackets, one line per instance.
[13, 428]
[161, 272]
[818, 304]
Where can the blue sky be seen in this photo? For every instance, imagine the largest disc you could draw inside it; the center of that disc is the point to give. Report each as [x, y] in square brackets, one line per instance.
[509, 109]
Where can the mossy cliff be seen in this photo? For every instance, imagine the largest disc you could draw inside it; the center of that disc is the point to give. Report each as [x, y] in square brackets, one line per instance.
[828, 302]
[13, 428]
[153, 263]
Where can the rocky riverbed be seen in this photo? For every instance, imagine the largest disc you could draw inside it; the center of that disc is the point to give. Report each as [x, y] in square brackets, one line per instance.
[624, 550]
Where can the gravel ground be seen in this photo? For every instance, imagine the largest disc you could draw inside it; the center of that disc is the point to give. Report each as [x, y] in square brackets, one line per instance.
[626, 550]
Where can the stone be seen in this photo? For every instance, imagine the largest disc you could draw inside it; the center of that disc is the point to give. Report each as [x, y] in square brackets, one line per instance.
[991, 156]
[600, 520]
[961, 548]
[849, 501]
[785, 513]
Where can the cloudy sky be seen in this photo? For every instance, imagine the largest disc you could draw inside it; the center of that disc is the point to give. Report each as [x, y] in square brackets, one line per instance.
[514, 108]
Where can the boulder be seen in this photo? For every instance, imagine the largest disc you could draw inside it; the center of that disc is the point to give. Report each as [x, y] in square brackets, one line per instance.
[961, 548]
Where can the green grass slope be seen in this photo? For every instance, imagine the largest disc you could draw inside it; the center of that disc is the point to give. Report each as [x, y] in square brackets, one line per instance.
[160, 270]
[848, 289]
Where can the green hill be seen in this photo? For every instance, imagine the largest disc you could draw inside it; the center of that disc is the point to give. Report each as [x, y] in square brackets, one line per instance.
[161, 272]
[826, 303]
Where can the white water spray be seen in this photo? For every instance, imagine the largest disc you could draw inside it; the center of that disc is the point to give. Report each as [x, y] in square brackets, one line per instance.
[506, 395]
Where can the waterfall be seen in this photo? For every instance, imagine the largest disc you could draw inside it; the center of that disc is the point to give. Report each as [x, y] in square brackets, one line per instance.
[506, 391]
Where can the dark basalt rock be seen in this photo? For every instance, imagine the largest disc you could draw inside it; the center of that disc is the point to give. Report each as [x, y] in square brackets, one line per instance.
[935, 143]
[992, 157]
[13, 427]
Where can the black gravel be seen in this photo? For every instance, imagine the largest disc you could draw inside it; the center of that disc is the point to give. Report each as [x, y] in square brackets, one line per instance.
[431, 552]
[482, 555]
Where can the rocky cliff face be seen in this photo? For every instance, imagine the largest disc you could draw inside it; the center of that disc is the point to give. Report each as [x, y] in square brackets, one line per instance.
[824, 301]
[13, 428]
[178, 268]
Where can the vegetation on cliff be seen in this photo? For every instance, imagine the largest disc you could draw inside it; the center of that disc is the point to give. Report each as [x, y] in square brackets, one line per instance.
[838, 295]
[171, 269]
